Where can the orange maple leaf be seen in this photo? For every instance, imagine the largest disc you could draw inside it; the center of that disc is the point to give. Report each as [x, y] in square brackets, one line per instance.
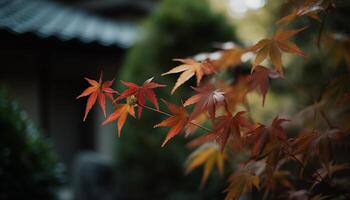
[120, 113]
[177, 121]
[309, 8]
[208, 98]
[274, 47]
[97, 90]
[229, 57]
[190, 68]
[141, 93]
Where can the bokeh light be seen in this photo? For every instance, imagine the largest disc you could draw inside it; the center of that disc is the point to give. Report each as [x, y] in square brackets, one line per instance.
[239, 7]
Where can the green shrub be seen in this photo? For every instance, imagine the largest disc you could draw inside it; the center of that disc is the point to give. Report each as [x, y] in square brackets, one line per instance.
[28, 164]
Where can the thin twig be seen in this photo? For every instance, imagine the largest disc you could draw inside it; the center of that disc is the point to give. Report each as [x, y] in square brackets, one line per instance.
[301, 164]
[323, 114]
[155, 110]
[323, 22]
[303, 167]
[169, 115]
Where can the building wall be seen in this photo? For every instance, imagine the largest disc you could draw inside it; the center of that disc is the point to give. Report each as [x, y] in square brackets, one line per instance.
[46, 79]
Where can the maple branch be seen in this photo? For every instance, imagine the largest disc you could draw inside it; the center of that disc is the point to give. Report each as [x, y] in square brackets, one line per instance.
[301, 164]
[326, 119]
[323, 22]
[155, 110]
[169, 115]
[316, 172]
[200, 126]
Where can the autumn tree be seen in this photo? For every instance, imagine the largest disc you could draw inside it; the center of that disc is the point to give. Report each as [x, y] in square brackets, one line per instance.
[302, 156]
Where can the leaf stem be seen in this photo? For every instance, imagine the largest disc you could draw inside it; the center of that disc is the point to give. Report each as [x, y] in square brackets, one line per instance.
[155, 110]
[169, 115]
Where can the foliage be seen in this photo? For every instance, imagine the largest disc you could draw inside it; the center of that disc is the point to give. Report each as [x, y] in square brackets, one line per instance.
[166, 35]
[305, 160]
[28, 165]
[97, 90]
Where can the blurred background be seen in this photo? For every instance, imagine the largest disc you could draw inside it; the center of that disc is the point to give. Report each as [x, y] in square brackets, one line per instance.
[49, 46]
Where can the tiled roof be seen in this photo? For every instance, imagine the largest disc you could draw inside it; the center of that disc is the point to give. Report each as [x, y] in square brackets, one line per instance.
[47, 18]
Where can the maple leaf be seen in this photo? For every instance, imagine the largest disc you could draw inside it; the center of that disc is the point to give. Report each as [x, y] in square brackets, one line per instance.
[207, 155]
[177, 121]
[97, 90]
[208, 99]
[308, 8]
[337, 90]
[229, 57]
[274, 47]
[241, 183]
[331, 111]
[330, 170]
[314, 142]
[141, 93]
[259, 79]
[338, 45]
[270, 144]
[190, 68]
[278, 180]
[236, 93]
[225, 127]
[327, 172]
[266, 139]
[120, 113]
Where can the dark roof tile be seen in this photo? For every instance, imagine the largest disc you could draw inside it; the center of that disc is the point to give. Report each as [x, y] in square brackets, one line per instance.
[47, 18]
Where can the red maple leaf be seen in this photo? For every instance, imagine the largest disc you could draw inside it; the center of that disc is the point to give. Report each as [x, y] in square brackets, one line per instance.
[259, 79]
[265, 139]
[318, 143]
[177, 121]
[97, 90]
[225, 127]
[141, 93]
[208, 99]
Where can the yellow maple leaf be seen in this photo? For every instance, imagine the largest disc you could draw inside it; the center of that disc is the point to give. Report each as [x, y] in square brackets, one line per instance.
[208, 155]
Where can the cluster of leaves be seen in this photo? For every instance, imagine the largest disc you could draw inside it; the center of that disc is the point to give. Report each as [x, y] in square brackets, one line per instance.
[268, 151]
